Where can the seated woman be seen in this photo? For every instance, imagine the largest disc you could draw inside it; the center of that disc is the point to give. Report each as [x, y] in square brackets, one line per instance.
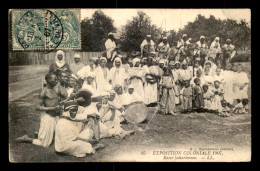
[69, 139]
[131, 96]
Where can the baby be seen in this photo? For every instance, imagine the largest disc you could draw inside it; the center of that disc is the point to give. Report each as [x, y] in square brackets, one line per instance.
[225, 112]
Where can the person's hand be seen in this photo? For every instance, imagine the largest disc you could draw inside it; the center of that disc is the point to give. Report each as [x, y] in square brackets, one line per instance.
[93, 115]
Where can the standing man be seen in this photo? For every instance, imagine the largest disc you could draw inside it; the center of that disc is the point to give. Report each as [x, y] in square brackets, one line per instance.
[147, 46]
[229, 52]
[76, 65]
[201, 49]
[111, 49]
[163, 49]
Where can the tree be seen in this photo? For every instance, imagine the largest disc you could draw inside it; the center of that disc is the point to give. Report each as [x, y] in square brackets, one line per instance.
[95, 30]
[135, 31]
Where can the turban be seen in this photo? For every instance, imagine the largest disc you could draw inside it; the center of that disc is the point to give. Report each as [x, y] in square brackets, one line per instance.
[130, 86]
[161, 62]
[228, 40]
[70, 104]
[112, 92]
[148, 35]
[90, 74]
[217, 38]
[103, 58]
[135, 60]
[172, 63]
[185, 35]
[202, 37]
[177, 62]
[164, 38]
[76, 56]
[110, 33]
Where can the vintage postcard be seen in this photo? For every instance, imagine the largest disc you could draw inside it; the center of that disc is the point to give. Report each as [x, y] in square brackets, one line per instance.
[129, 85]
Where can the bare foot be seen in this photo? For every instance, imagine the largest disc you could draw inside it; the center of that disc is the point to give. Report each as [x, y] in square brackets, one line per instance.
[129, 132]
[99, 146]
[24, 138]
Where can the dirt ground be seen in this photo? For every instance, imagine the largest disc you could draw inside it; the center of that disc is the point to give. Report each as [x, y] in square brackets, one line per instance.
[182, 131]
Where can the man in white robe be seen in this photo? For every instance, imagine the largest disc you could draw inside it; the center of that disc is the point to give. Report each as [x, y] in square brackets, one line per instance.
[147, 46]
[163, 49]
[117, 74]
[102, 76]
[110, 45]
[151, 85]
[83, 72]
[68, 137]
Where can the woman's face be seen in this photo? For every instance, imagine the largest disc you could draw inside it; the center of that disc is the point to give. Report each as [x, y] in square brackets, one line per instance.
[60, 57]
[137, 64]
[130, 90]
[112, 97]
[117, 64]
[90, 80]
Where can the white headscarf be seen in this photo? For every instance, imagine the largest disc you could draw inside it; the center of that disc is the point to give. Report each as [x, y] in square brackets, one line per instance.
[117, 59]
[135, 60]
[103, 58]
[57, 61]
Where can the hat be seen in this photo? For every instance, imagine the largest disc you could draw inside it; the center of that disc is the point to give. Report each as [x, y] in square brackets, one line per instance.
[228, 40]
[110, 33]
[77, 56]
[93, 58]
[184, 35]
[70, 104]
[202, 37]
[197, 59]
[164, 38]
[112, 92]
[130, 86]
[161, 62]
[148, 35]
[90, 74]
[172, 63]
[103, 58]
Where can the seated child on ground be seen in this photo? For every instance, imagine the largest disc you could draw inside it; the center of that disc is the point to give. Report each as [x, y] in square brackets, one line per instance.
[225, 112]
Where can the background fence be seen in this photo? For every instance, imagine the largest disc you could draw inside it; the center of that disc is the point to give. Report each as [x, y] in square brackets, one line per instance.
[40, 58]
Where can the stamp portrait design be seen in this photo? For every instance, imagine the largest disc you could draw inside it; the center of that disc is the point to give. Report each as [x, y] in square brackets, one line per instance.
[46, 29]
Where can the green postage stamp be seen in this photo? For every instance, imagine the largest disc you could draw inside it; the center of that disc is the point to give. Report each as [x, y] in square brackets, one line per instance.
[45, 29]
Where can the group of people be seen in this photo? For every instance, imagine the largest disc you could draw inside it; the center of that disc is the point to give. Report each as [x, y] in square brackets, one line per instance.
[82, 104]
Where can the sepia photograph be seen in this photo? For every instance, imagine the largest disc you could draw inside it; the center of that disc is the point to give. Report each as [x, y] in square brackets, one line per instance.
[129, 85]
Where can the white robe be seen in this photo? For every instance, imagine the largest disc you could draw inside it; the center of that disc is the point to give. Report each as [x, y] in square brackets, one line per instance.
[110, 46]
[150, 90]
[117, 76]
[65, 140]
[102, 82]
[241, 79]
[229, 81]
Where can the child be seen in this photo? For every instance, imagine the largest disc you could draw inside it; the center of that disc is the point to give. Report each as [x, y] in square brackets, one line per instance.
[197, 66]
[238, 109]
[225, 109]
[186, 97]
[198, 96]
[218, 76]
[245, 106]
[169, 91]
[207, 95]
[218, 96]
[208, 78]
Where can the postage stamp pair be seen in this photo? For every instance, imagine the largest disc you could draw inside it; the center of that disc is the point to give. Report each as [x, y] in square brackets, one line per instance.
[45, 29]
